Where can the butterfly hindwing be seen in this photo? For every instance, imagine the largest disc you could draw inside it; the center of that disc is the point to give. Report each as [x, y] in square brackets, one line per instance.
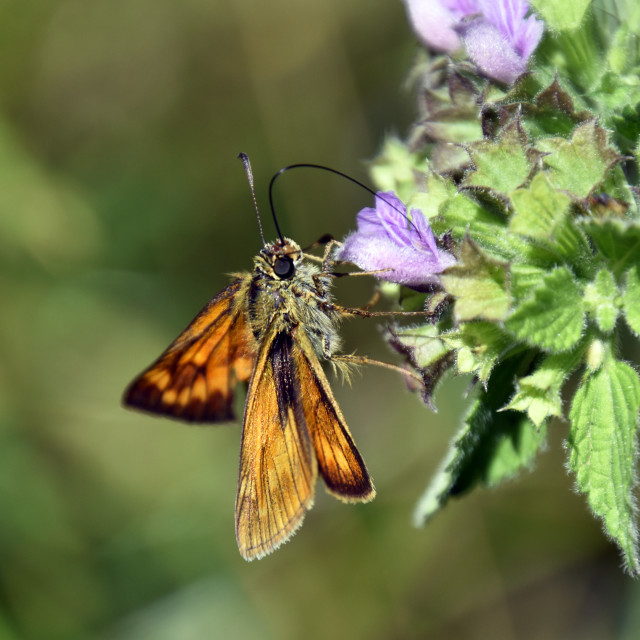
[339, 461]
[194, 379]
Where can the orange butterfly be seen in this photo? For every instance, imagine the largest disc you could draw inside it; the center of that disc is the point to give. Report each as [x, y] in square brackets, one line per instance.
[268, 328]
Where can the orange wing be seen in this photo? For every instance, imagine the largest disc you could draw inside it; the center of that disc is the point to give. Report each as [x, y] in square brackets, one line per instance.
[194, 379]
[339, 461]
[292, 427]
[277, 465]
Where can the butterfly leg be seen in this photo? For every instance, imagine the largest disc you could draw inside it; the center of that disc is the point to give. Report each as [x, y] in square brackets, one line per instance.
[364, 312]
[354, 359]
[358, 360]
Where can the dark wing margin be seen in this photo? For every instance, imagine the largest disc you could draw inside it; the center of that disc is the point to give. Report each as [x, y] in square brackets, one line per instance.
[277, 476]
[339, 461]
[195, 378]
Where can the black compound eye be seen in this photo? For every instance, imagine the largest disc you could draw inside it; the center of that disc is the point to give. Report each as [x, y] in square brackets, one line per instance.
[283, 267]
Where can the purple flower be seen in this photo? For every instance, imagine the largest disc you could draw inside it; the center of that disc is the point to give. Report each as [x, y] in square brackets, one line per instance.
[387, 239]
[497, 35]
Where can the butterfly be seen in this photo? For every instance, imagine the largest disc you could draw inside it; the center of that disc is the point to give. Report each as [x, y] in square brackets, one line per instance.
[268, 328]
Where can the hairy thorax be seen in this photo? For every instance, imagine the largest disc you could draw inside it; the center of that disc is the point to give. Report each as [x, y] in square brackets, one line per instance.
[287, 292]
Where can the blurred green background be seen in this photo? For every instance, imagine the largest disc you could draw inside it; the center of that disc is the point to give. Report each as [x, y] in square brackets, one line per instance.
[122, 207]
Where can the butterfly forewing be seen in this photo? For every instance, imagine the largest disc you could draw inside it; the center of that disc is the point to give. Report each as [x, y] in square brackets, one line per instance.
[194, 379]
[339, 461]
[277, 463]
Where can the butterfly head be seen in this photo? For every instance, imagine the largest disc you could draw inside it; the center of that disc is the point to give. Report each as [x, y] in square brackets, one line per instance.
[280, 259]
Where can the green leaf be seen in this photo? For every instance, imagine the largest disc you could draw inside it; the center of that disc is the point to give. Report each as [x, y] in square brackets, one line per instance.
[600, 298]
[614, 196]
[631, 300]
[425, 351]
[525, 278]
[460, 215]
[541, 213]
[554, 316]
[490, 447]
[602, 445]
[580, 164]
[561, 16]
[394, 169]
[478, 347]
[618, 241]
[626, 125]
[542, 111]
[539, 210]
[501, 165]
[453, 125]
[459, 212]
[538, 394]
[479, 285]
[553, 113]
[424, 343]
[439, 190]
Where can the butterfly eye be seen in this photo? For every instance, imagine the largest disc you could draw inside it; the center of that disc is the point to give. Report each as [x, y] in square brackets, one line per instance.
[283, 267]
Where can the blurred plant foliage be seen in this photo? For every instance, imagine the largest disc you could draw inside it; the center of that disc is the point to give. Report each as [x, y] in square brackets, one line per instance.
[121, 208]
[537, 185]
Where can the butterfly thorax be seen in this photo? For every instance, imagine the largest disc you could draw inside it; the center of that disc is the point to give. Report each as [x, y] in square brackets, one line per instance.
[286, 292]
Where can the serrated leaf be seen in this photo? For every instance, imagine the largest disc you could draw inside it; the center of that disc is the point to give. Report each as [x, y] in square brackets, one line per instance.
[554, 316]
[631, 300]
[561, 16]
[424, 350]
[478, 347]
[626, 125]
[539, 210]
[424, 343]
[500, 166]
[579, 165]
[554, 112]
[394, 169]
[541, 213]
[600, 300]
[490, 447]
[438, 191]
[525, 278]
[461, 215]
[538, 394]
[618, 241]
[454, 125]
[459, 211]
[437, 303]
[449, 108]
[602, 445]
[449, 159]
[548, 111]
[478, 284]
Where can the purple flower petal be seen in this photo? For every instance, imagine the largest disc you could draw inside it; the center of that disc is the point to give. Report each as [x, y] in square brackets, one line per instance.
[434, 22]
[509, 16]
[498, 36]
[492, 52]
[389, 217]
[387, 240]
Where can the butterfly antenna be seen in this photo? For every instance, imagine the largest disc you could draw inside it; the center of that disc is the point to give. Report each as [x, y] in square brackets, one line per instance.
[305, 165]
[247, 168]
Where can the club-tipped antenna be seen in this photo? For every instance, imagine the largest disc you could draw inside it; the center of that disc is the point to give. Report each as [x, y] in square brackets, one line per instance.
[305, 165]
[247, 169]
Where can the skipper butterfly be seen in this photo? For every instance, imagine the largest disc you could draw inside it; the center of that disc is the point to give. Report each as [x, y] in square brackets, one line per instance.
[268, 328]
